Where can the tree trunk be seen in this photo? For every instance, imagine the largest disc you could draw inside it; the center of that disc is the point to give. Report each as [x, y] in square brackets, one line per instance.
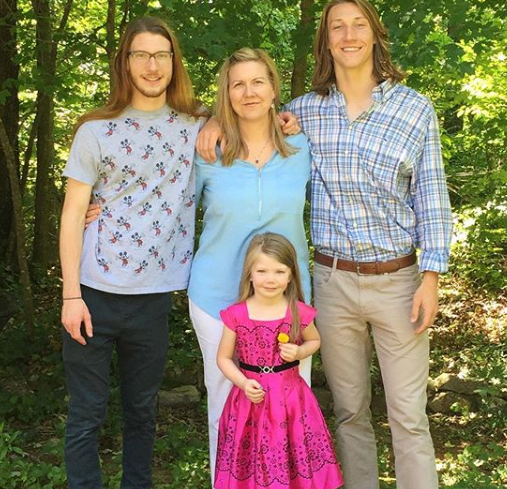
[9, 111]
[125, 15]
[19, 224]
[110, 43]
[302, 47]
[44, 230]
[452, 122]
[44, 226]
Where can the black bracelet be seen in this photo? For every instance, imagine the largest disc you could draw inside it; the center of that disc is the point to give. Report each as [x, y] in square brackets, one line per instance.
[70, 298]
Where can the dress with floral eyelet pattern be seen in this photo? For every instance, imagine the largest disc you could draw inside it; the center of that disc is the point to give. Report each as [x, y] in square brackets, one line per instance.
[282, 442]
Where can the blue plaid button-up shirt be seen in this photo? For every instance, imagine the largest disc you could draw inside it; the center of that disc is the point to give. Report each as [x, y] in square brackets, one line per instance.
[378, 187]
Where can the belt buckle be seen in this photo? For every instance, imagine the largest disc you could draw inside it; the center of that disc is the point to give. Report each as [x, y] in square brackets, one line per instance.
[266, 369]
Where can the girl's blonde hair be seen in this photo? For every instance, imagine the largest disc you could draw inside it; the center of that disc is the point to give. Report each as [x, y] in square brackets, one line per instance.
[280, 249]
[179, 93]
[383, 66]
[228, 119]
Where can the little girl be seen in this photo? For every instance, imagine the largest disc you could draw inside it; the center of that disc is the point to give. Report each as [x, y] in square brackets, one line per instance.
[272, 433]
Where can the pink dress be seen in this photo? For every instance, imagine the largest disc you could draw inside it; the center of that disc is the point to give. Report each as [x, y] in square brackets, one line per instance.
[282, 442]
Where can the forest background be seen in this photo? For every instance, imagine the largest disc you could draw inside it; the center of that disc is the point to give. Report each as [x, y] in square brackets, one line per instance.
[55, 58]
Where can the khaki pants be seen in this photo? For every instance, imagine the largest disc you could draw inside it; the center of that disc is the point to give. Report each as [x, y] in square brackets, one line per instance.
[346, 304]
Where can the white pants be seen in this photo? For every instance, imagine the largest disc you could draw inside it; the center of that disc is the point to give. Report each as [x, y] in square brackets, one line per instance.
[209, 332]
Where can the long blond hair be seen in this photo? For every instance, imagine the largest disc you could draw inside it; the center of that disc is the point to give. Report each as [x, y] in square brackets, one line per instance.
[228, 119]
[383, 66]
[280, 249]
[179, 93]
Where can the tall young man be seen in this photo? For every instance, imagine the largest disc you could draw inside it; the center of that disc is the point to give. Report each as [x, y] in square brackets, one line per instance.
[134, 156]
[378, 194]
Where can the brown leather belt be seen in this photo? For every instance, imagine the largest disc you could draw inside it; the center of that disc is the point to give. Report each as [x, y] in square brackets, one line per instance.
[367, 267]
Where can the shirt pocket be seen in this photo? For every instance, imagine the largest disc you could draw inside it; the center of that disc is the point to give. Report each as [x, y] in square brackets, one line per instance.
[387, 163]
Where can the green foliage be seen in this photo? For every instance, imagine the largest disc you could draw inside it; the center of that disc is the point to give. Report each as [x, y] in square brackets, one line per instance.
[476, 466]
[454, 52]
[481, 246]
[186, 457]
[19, 469]
[209, 32]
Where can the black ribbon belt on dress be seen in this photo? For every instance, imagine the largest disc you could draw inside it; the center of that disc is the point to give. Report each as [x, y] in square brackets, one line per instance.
[266, 369]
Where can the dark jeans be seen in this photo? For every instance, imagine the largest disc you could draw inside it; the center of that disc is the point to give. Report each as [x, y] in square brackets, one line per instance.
[137, 326]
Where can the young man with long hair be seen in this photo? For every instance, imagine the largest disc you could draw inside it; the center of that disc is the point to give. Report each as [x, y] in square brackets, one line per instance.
[378, 194]
[133, 156]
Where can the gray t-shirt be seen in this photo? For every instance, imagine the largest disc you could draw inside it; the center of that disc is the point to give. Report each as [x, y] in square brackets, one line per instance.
[141, 168]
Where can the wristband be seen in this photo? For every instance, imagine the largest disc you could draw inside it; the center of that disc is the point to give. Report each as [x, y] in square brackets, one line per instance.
[71, 298]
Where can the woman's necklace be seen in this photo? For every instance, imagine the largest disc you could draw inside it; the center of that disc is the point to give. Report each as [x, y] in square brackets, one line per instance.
[257, 158]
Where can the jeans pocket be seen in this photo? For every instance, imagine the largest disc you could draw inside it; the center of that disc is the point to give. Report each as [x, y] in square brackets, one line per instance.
[321, 275]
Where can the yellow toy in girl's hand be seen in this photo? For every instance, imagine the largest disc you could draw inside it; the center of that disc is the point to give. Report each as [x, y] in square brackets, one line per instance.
[283, 338]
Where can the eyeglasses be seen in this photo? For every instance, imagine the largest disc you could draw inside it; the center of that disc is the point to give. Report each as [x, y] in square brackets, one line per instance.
[145, 56]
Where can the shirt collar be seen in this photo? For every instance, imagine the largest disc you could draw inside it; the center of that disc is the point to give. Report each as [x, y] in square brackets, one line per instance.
[381, 93]
[384, 90]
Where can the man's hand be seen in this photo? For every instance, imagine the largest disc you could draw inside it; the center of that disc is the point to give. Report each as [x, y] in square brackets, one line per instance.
[74, 314]
[253, 391]
[289, 123]
[288, 351]
[207, 140]
[426, 301]
[92, 213]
